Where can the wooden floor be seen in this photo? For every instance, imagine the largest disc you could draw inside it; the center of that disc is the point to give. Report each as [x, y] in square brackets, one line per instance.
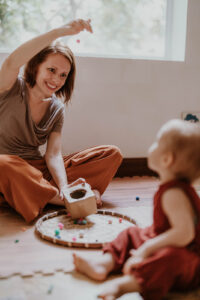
[35, 269]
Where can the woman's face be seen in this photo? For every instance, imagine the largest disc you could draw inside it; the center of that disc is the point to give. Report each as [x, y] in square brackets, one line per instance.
[52, 74]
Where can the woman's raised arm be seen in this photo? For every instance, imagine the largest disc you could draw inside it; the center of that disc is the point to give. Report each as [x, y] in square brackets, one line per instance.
[10, 67]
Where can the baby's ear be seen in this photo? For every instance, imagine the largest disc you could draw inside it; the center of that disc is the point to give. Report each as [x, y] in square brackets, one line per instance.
[168, 159]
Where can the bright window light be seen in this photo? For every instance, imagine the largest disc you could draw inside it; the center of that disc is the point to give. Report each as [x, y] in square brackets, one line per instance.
[122, 28]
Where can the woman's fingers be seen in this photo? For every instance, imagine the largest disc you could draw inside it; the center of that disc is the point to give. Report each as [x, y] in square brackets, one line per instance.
[78, 181]
[84, 24]
[78, 25]
[61, 195]
[88, 26]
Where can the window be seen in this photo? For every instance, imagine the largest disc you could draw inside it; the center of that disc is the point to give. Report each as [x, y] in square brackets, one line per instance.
[122, 28]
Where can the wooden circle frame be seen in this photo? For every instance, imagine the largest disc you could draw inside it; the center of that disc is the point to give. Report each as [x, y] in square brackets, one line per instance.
[59, 241]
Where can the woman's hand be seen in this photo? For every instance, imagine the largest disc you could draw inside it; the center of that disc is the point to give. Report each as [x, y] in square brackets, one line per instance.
[76, 26]
[78, 181]
[63, 189]
[137, 256]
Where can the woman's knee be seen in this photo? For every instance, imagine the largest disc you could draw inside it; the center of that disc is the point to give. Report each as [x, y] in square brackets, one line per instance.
[5, 161]
[116, 153]
[9, 162]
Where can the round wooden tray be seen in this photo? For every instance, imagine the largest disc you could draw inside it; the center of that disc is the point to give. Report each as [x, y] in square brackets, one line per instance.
[101, 228]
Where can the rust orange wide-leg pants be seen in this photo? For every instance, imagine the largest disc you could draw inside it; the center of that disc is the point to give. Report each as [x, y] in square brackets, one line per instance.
[28, 186]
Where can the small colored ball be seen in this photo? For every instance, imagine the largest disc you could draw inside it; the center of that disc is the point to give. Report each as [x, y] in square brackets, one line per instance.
[61, 226]
[137, 198]
[120, 220]
[74, 239]
[78, 41]
[84, 222]
[75, 221]
[57, 232]
[81, 234]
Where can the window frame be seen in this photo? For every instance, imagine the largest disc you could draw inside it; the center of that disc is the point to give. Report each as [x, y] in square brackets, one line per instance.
[176, 28]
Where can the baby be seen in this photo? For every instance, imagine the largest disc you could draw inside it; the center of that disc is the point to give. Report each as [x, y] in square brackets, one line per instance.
[166, 255]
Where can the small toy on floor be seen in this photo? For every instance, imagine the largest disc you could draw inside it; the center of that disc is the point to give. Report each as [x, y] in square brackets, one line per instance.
[61, 226]
[57, 232]
[81, 234]
[23, 229]
[80, 221]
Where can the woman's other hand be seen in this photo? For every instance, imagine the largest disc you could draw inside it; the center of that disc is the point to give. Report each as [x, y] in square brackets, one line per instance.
[76, 26]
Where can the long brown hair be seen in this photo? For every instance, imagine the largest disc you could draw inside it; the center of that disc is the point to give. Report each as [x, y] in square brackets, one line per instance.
[31, 68]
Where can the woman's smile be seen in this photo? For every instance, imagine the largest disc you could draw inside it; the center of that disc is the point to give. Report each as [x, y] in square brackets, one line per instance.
[51, 87]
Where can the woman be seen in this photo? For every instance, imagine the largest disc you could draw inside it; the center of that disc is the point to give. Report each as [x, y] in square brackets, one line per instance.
[31, 114]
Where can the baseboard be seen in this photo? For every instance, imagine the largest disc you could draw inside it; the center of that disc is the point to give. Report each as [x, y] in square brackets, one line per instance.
[134, 167]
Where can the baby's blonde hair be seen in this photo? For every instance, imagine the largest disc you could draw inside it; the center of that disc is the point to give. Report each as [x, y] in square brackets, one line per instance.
[182, 138]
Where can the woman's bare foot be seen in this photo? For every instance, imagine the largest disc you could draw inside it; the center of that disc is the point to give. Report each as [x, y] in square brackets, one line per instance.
[119, 286]
[98, 198]
[95, 268]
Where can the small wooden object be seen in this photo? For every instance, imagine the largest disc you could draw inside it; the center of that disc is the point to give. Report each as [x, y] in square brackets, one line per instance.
[80, 201]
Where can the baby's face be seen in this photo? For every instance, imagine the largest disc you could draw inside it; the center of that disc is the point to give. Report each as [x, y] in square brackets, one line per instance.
[155, 154]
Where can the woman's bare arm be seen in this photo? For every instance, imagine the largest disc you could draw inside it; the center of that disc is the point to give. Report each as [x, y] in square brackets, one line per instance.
[54, 160]
[10, 68]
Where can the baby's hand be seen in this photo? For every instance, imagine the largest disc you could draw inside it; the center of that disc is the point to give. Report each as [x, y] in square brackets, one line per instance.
[137, 257]
[77, 26]
[131, 263]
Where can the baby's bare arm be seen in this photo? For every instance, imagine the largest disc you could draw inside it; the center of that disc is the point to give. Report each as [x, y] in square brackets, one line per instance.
[180, 213]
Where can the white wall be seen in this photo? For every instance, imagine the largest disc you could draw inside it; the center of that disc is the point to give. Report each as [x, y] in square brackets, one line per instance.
[124, 102]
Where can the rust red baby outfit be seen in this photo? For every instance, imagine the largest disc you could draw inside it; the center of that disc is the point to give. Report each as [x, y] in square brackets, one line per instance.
[169, 268]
